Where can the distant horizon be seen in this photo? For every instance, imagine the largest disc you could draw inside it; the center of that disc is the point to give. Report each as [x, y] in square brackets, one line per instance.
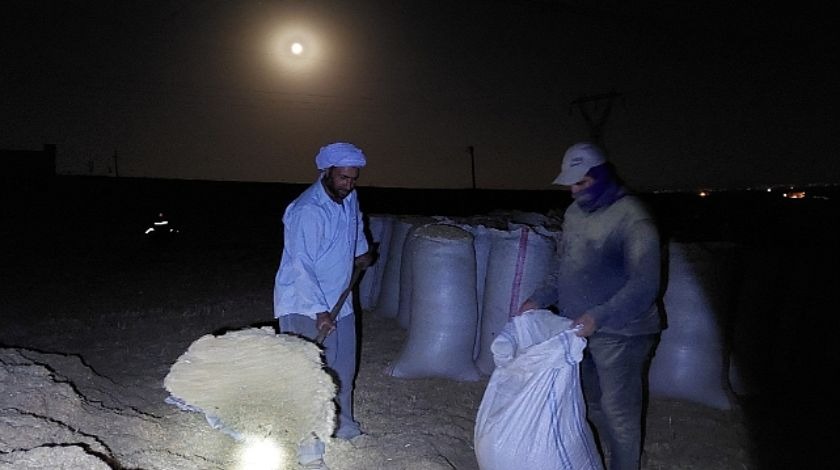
[361, 184]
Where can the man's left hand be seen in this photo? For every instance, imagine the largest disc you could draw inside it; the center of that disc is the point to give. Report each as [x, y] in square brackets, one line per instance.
[323, 322]
[363, 261]
[586, 325]
[526, 306]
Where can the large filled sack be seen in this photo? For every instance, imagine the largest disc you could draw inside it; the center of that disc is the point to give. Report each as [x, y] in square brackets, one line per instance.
[388, 301]
[406, 278]
[519, 260]
[482, 242]
[691, 361]
[380, 228]
[443, 309]
[533, 415]
[479, 228]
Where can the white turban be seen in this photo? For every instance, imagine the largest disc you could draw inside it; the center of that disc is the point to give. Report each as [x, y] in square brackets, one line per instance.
[340, 154]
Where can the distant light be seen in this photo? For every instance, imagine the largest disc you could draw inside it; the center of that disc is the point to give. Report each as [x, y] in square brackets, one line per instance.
[262, 454]
[769, 190]
[703, 193]
[795, 195]
[297, 48]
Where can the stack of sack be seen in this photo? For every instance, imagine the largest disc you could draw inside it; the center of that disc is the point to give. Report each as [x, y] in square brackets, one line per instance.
[453, 284]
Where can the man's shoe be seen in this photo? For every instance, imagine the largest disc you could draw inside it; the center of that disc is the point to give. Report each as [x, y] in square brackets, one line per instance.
[315, 465]
[348, 432]
[311, 454]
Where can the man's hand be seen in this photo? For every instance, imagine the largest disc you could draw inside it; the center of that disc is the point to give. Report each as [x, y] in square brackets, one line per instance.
[585, 324]
[363, 261]
[324, 323]
[527, 305]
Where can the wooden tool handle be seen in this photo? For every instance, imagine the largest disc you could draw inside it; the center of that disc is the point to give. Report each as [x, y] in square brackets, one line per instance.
[337, 307]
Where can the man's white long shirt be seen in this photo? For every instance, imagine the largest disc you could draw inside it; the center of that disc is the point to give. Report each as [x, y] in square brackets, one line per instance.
[321, 239]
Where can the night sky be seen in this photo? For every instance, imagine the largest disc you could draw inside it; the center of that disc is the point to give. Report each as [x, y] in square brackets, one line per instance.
[699, 94]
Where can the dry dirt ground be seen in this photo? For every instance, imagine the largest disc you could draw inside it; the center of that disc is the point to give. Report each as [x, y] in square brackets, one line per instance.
[89, 330]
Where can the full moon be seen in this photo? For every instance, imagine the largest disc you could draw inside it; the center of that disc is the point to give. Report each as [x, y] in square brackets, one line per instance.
[296, 49]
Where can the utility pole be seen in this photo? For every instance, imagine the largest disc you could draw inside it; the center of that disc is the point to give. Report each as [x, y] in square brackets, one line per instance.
[471, 151]
[592, 104]
[116, 169]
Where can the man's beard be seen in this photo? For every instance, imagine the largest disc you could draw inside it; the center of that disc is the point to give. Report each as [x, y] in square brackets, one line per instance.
[334, 192]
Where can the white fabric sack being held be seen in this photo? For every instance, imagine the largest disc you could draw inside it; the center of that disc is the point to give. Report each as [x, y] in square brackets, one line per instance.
[533, 415]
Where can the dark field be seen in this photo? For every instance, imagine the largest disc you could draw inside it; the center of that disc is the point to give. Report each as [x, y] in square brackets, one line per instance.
[781, 322]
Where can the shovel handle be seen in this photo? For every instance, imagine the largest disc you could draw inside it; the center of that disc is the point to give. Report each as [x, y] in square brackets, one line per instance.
[334, 312]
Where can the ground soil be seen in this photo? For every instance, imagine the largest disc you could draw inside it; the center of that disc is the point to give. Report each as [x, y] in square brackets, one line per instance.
[123, 312]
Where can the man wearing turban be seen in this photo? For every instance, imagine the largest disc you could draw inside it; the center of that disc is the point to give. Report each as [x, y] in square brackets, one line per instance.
[322, 242]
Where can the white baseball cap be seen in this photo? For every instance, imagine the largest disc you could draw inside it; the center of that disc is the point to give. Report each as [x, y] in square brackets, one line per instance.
[577, 161]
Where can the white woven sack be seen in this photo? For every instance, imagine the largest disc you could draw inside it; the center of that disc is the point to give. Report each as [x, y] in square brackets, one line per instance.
[380, 227]
[406, 278]
[389, 291]
[691, 356]
[519, 261]
[443, 311]
[482, 243]
[533, 415]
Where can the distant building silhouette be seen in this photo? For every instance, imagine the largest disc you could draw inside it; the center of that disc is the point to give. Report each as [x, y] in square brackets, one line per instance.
[27, 165]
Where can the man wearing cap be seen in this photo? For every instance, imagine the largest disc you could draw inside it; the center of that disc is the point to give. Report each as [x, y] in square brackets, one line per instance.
[608, 283]
[323, 240]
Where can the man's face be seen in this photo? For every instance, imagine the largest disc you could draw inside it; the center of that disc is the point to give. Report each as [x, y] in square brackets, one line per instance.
[340, 181]
[581, 185]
